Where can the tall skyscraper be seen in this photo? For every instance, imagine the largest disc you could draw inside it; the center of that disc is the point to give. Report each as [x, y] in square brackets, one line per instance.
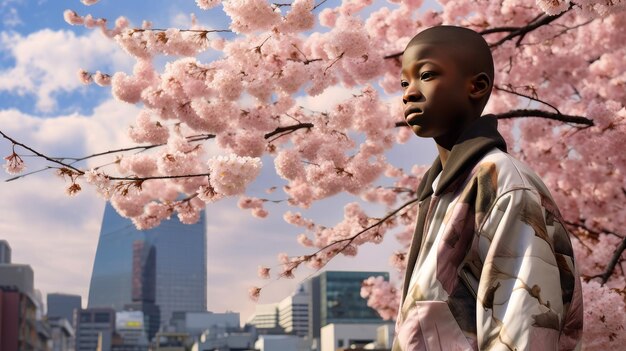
[166, 266]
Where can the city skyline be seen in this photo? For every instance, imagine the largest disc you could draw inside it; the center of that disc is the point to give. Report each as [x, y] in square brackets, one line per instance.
[57, 235]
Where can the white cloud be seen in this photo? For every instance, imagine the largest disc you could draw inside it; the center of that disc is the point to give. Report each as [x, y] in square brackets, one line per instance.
[326, 100]
[11, 18]
[47, 62]
[55, 234]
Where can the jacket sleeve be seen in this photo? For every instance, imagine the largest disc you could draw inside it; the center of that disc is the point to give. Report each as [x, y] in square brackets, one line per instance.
[520, 299]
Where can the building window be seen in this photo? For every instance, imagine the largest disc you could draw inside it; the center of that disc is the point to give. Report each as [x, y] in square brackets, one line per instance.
[85, 317]
[102, 318]
[340, 343]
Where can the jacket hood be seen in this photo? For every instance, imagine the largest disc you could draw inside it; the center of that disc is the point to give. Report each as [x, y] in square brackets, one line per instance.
[480, 136]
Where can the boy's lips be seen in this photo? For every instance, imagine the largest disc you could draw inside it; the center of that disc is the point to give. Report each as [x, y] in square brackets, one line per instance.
[412, 114]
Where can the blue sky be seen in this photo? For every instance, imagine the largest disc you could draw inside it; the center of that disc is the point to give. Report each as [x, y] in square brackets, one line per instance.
[42, 104]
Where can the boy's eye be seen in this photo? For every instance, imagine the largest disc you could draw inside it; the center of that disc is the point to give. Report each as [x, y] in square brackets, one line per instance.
[426, 75]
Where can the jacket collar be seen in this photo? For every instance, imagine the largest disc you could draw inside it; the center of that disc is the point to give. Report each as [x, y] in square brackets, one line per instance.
[480, 136]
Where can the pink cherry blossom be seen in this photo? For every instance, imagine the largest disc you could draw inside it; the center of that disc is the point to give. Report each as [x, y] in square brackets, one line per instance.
[207, 4]
[264, 272]
[231, 174]
[14, 164]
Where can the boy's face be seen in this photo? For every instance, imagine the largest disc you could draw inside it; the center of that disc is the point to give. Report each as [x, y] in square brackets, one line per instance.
[435, 87]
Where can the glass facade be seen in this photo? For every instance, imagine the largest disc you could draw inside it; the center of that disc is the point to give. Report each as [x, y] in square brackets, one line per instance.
[129, 262]
[336, 298]
[340, 298]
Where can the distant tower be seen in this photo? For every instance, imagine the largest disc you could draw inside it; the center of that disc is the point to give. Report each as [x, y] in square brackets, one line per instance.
[171, 258]
[63, 306]
[5, 252]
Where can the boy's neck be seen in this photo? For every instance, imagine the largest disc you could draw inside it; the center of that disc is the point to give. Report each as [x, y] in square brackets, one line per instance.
[443, 155]
[446, 142]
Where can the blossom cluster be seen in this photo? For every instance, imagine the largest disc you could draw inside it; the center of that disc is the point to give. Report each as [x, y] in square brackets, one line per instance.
[574, 62]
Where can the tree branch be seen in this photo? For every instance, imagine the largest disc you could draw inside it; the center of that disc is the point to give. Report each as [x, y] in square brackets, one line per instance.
[604, 276]
[160, 177]
[15, 142]
[527, 96]
[351, 239]
[294, 127]
[538, 21]
[545, 114]
[615, 258]
[535, 113]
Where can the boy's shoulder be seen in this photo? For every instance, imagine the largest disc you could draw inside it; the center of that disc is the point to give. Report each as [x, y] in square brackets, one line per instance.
[506, 173]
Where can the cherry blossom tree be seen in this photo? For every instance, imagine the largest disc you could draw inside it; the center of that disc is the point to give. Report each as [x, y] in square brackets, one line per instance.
[559, 94]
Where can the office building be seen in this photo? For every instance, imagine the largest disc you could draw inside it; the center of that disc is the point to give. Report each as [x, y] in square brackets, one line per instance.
[196, 323]
[265, 319]
[354, 336]
[18, 322]
[282, 343]
[293, 312]
[336, 298]
[130, 329]
[20, 276]
[21, 327]
[129, 263]
[5, 252]
[63, 306]
[95, 327]
[61, 333]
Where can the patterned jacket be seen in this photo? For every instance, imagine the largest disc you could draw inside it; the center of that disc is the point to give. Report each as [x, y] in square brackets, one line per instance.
[491, 265]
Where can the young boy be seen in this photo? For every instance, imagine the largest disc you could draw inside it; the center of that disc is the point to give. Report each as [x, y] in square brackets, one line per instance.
[491, 265]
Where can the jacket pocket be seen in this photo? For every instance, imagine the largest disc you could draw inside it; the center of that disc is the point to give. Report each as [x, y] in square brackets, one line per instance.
[430, 326]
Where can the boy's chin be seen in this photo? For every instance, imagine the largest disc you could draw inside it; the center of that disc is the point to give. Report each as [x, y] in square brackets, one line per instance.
[420, 132]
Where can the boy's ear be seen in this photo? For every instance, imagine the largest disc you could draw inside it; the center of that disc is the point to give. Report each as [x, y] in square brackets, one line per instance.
[480, 86]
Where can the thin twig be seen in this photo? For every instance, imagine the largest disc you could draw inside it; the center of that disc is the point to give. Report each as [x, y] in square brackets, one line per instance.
[528, 97]
[15, 142]
[379, 222]
[604, 276]
[160, 177]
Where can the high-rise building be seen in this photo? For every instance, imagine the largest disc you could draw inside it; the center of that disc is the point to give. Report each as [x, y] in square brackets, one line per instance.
[293, 312]
[95, 327]
[63, 306]
[5, 252]
[336, 298]
[20, 276]
[170, 257]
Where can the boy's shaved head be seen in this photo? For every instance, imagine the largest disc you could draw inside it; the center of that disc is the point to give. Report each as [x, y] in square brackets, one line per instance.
[466, 47]
[447, 76]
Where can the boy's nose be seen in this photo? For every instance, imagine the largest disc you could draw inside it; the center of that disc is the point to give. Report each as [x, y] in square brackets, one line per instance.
[411, 94]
